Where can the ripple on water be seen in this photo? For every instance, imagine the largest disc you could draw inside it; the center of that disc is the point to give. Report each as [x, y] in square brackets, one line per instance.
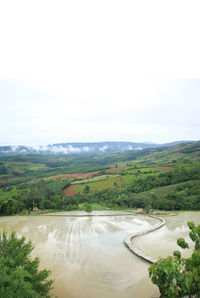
[86, 255]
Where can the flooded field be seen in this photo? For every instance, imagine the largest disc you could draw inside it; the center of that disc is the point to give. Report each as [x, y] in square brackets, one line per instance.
[86, 254]
[162, 242]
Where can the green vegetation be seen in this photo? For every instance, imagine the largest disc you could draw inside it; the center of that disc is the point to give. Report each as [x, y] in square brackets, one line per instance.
[17, 169]
[88, 208]
[20, 276]
[48, 194]
[109, 181]
[176, 276]
[165, 178]
[86, 188]
[89, 180]
[173, 190]
[41, 194]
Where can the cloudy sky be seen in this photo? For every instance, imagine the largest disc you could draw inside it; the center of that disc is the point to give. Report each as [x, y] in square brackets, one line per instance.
[75, 71]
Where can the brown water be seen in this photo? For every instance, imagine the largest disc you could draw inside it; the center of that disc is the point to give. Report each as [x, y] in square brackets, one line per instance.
[86, 254]
[162, 242]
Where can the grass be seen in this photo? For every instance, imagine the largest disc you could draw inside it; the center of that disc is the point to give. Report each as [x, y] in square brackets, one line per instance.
[96, 207]
[128, 175]
[39, 212]
[97, 185]
[128, 178]
[24, 168]
[165, 190]
[90, 180]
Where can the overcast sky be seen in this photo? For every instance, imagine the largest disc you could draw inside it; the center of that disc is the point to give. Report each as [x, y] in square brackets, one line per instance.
[80, 71]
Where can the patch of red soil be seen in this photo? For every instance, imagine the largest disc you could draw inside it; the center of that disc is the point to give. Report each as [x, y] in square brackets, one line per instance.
[165, 168]
[120, 180]
[114, 170]
[69, 191]
[179, 149]
[19, 171]
[71, 177]
[2, 181]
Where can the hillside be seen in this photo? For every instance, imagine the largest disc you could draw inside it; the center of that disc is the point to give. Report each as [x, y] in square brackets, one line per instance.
[19, 168]
[163, 178]
[80, 148]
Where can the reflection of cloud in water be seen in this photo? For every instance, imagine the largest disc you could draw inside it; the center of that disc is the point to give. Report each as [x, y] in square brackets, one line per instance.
[163, 242]
[181, 229]
[25, 230]
[81, 242]
[42, 228]
[88, 249]
[77, 242]
[140, 222]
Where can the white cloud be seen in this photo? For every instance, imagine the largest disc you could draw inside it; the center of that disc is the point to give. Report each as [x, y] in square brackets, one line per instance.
[83, 45]
[89, 70]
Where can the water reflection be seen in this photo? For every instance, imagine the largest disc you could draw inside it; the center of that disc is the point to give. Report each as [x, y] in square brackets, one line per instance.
[86, 254]
[162, 242]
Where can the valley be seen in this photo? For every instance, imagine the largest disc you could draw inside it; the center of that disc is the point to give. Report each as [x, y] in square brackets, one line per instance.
[78, 209]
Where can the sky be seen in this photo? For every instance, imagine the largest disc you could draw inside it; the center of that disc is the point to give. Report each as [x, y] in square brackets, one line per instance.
[90, 71]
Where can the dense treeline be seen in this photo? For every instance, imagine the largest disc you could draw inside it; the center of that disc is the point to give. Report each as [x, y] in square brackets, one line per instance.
[48, 194]
[42, 194]
[21, 168]
[188, 198]
[185, 197]
[163, 179]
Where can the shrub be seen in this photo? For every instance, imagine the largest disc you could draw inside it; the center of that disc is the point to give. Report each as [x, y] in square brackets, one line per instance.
[20, 276]
[176, 276]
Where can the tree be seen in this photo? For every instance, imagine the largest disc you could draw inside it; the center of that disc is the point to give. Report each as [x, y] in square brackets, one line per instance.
[176, 276]
[19, 275]
[86, 188]
[88, 208]
[147, 209]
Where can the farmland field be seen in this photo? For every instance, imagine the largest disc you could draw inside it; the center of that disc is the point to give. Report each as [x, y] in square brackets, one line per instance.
[97, 185]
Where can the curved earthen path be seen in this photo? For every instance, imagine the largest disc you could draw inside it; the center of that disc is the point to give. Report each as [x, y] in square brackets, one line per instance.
[129, 242]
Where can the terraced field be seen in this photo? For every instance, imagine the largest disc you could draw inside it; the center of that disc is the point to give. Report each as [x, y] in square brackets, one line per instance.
[100, 182]
[125, 175]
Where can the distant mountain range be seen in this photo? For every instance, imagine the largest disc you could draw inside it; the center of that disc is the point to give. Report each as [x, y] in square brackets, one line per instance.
[80, 148]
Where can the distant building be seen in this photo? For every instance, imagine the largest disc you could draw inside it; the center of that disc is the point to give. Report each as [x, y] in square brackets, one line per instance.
[139, 211]
[35, 209]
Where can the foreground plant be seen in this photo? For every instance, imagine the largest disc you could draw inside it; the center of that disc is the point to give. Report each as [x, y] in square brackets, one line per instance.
[19, 275]
[176, 276]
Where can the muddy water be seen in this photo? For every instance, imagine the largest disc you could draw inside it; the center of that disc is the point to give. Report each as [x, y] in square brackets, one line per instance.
[86, 254]
[162, 242]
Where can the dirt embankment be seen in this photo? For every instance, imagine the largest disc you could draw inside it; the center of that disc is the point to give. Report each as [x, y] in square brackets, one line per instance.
[71, 177]
[165, 168]
[69, 191]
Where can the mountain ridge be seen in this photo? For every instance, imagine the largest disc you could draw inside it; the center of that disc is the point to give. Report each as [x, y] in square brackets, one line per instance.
[106, 147]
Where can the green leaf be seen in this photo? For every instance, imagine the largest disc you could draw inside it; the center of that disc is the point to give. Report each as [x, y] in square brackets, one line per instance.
[176, 276]
[182, 243]
[191, 225]
[177, 254]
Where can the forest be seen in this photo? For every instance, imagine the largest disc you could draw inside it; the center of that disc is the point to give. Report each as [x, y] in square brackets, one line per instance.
[125, 180]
